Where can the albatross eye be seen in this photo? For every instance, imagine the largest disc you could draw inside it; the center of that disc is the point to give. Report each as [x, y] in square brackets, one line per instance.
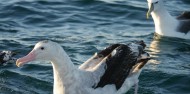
[42, 48]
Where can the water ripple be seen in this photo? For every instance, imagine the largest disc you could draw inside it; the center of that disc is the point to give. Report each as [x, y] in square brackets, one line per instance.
[83, 27]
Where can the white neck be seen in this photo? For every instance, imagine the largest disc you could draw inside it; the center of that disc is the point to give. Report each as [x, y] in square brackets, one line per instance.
[164, 22]
[64, 73]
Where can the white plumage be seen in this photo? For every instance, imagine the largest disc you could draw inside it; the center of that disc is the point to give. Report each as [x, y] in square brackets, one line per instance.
[68, 79]
[165, 24]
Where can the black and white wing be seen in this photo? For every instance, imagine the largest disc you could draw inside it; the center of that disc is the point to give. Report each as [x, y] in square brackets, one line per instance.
[114, 64]
[184, 16]
[184, 22]
[6, 56]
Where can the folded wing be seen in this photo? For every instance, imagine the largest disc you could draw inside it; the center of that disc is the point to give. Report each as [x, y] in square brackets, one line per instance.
[115, 63]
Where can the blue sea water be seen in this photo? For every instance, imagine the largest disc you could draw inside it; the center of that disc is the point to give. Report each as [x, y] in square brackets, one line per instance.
[84, 27]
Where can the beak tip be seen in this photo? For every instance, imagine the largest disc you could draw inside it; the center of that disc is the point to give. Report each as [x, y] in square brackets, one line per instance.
[147, 15]
[18, 64]
[151, 9]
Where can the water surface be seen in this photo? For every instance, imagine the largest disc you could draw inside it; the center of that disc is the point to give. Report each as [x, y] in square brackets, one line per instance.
[84, 27]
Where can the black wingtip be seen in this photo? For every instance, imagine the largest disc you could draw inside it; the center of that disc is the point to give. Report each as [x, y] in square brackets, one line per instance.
[120, 62]
[184, 16]
[115, 64]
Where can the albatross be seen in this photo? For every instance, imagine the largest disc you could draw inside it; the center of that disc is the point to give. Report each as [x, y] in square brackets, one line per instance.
[167, 25]
[113, 70]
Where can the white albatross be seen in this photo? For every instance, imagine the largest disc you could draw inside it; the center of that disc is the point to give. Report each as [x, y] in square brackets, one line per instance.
[165, 24]
[113, 70]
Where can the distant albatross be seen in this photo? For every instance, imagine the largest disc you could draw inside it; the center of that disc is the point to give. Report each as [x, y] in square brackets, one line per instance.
[113, 70]
[165, 24]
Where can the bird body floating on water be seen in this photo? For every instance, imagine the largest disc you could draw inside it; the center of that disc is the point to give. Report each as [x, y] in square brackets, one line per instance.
[7, 57]
[167, 25]
[113, 70]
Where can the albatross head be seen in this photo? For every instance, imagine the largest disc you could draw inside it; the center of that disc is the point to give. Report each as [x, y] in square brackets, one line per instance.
[43, 50]
[153, 5]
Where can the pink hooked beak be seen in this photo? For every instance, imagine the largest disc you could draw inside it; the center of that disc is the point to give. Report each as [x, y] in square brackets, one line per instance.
[30, 57]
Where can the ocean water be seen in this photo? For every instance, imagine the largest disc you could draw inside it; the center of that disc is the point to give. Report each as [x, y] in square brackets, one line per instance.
[84, 27]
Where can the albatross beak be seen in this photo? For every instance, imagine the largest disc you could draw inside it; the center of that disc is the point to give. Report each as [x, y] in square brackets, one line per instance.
[150, 10]
[30, 57]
